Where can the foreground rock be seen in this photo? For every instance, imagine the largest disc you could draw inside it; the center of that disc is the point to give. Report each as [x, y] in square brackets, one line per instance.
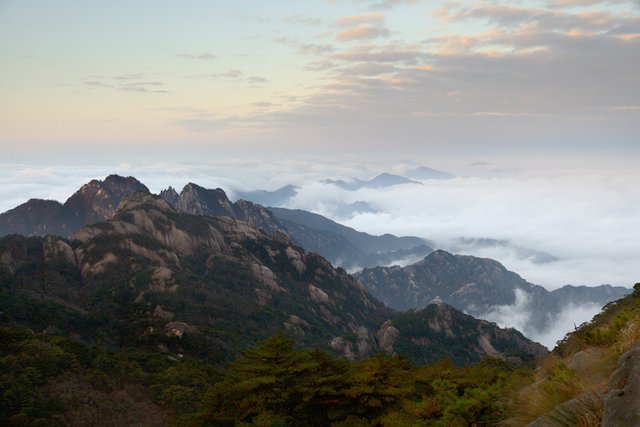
[622, 402]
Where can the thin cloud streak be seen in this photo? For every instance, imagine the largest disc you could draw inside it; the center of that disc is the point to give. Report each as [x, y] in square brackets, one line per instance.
[362, 32]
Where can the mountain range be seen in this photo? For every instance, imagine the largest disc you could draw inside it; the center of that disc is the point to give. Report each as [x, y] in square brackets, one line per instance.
[476, 286]
[342, 246]
[209, 286]
[142, 313]
[277, 197]
[386, 179]
[97, 201]
[471, 284]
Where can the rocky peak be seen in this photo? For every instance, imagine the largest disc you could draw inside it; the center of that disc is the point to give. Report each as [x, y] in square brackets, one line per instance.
[141, 200]
[98, 200]
[170, 195]
[93, 202]
[460, 261]
[440, 256]
[457, 279]
[197, 200]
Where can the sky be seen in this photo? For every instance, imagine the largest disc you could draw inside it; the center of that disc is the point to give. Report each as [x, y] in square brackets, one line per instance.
[120, 80]
[533, 105]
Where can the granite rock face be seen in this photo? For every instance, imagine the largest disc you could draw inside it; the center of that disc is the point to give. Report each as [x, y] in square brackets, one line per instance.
[622, 402]
[216, 283]
[197, 200]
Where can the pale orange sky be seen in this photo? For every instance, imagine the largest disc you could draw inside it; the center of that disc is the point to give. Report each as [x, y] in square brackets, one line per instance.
[551, 78]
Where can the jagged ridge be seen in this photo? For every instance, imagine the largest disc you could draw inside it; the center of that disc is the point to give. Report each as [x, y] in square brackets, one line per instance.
[185, 284]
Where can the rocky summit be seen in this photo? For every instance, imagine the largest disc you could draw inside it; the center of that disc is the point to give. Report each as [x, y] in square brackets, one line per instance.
[98, 200]
[342, 246]
[197, 200]
[93, 202]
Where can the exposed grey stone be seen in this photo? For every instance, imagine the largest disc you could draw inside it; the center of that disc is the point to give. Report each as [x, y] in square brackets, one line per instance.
[622, 403]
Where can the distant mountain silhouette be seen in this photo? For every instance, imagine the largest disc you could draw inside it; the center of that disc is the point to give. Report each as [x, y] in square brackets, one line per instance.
[380, 181]
[425, 172]
[344, 246]
[270, 198]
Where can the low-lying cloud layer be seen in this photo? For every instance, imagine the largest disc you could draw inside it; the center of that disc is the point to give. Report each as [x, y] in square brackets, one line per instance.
[553, 228]
[587, 220]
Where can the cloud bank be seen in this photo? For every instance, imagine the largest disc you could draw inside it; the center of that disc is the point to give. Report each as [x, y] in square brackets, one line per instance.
[519, 315]
[586, 220]
[552, 227]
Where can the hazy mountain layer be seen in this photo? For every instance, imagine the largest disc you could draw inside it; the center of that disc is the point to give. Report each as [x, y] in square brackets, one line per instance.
[425, 172]
[379, 181]
[477, 286]
[269, 198]
[344, 246]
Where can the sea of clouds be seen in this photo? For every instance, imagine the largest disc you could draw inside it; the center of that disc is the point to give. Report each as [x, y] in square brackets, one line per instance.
[587, 221]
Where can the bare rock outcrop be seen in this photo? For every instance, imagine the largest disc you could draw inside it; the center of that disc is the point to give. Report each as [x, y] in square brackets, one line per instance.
[387, 337]
[57, 249]
[197, 200]
[358, 344]
[622, 402]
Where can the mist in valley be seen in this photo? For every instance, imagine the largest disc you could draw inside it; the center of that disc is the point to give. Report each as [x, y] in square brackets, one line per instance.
[552, 227]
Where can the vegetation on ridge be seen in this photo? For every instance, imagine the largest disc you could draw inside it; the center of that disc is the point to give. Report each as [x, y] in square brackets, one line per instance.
[141, 319]
[49, 380]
